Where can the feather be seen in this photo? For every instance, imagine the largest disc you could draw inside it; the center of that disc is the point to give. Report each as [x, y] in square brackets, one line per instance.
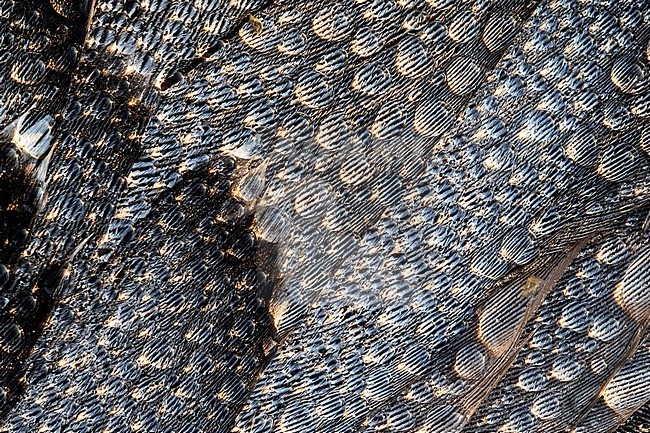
[340, 216]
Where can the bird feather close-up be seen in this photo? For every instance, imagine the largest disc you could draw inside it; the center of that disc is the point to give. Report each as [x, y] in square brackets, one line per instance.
[328, 216]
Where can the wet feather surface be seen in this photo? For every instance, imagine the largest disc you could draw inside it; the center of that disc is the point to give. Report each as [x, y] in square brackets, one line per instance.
[325, 216]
